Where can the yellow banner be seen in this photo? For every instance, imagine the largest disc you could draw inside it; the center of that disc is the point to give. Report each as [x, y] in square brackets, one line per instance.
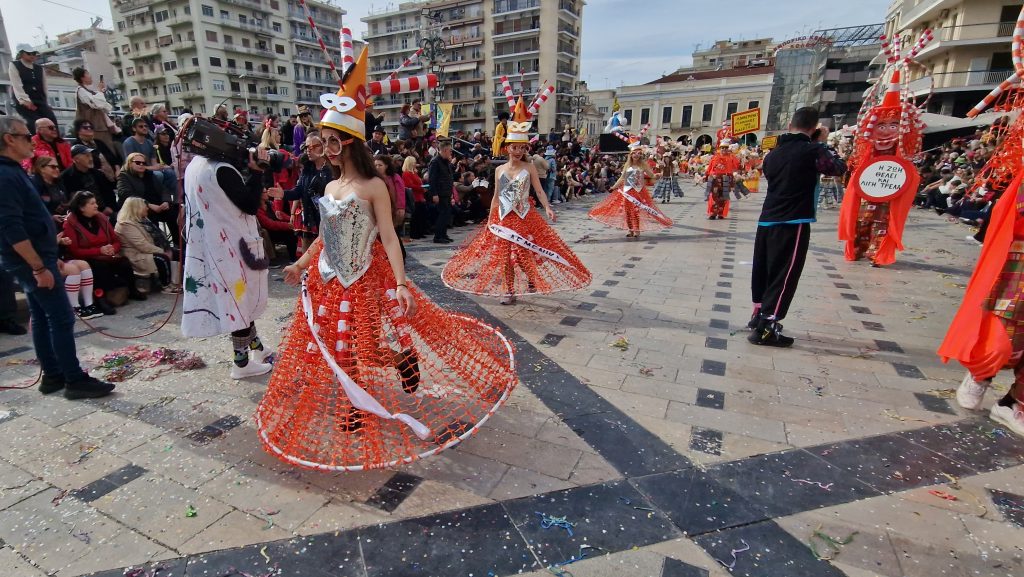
[746, 122]
[769, 142]
[440, 119]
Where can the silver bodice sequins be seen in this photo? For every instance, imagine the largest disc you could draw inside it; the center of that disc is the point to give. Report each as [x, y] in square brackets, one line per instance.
[634, 178]
[348, 229]
[514, 195]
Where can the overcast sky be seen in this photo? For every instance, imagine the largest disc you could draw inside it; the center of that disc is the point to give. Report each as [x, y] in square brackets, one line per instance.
[624, 41]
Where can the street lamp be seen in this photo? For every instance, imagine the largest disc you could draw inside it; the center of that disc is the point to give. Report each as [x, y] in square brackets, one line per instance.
[579, 100]
[245, 92]
[433, 50]
[836, 119]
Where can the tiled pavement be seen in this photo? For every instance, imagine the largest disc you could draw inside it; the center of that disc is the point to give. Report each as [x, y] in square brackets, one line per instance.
[684, 451]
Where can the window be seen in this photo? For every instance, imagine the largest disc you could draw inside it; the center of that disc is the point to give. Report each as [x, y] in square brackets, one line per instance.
[645, 116]
[195, 61]
[171, 65]
[283, 91]
[218, 86]
[753, 104]
[242, 18]
[120, 25]
[265, 68]
[731, 108]
[231, 63]
[214, 61]
[173, 88]
[251, 87]
[628, 114]
[245, 42]
[229, 39]
[276, 26]
[235, 87]
[165, 40]
[666, 115]
[211, 36]
[709, 110]
[207, 10]
[281, 70]
[160, 16]
[274, 6]
[687, 116]
[248, 66]
[225, 15]
[279, 48]
[134, 91]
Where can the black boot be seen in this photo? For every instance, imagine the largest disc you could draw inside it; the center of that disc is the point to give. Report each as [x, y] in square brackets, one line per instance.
[756, 316]
[51, 384]
[769, 333]
[409, 369]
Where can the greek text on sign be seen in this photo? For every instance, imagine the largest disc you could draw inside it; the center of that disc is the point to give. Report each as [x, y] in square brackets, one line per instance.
[746, 122]
[769, 142]
[882, 179]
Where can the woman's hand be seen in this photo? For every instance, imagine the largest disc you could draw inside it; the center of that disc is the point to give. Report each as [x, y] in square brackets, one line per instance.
[62, 239]
[551, 214]
[406, 302]
[292, 274]
[107, 250]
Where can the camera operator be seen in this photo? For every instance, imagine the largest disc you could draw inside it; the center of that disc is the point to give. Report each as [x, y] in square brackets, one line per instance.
[226, 268]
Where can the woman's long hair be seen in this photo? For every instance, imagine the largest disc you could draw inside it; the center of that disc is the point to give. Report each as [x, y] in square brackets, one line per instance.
[133, 210]
[128, 161]
[78, 201]
[358, 155]
[39, 163]
[409, 164]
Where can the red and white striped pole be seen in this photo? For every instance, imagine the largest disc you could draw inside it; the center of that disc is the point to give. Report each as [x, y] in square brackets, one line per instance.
[320, 41]
[405, 64]
[509, 96]
[535, 106]
[402, 85]
[348, 56]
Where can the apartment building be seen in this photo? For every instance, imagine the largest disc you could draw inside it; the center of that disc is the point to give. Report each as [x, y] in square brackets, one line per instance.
[259, 55]
[970, 54]
[533, 42]
[86, 47]
[6, 55]
[725, 54]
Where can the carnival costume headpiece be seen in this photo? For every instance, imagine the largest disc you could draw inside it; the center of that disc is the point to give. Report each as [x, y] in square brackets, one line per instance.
[521, 123]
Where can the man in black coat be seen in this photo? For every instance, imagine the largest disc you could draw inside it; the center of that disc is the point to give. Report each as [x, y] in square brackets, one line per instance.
[784, 228]
[441, 180]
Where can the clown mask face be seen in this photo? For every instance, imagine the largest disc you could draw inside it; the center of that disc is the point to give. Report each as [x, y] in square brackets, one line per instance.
[886, 135]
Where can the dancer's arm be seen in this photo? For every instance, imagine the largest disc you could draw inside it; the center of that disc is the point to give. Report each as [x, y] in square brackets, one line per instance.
[377, 190]
[541, 196]
[293, 272]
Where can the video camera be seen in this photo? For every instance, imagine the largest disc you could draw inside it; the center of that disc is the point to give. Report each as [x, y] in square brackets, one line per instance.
[226, 142]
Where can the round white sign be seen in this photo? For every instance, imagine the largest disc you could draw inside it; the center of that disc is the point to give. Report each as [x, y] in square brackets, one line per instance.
[882, 179]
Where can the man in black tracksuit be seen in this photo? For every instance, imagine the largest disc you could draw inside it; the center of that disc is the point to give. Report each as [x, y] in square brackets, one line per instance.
[784, 228]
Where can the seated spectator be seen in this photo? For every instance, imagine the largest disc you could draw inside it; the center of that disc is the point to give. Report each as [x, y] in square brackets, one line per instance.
[180, 157]
[136, 181]
[104, 157]
[396, 188]
[162, 122]
[140, 142]
[469, 208]
[149, 254]
[46, 178]
[276, 230]
[82, 175]
[90, 237]
[47, 142]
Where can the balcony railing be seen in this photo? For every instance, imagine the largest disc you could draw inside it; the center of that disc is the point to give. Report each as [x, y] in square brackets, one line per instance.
[922, 8]
[329, 39]
[184, 45]
[178, 20]
[515, 30]
[995, 31]
[186, 70]
[264, 52]
[502, 6]
[249, 26]
[973, 79]
[144, 53]
[251, 4]
[569, 6]
[320, 20]
[129, 5]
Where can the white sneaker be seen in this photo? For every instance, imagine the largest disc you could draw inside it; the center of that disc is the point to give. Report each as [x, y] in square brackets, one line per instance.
[971, 393]
[251, 369]
[266, 356]
[1011, 417]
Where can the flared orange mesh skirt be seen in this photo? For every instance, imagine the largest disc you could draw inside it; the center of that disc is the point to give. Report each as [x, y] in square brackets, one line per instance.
[535, 261]
[620, 212]
[436, 376]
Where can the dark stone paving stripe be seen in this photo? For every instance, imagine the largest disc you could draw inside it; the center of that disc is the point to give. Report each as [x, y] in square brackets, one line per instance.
[214, 430]
[719, 324]
[586, 306]
[908, 371]
[850, 296]
[934, 404]
[610, 283]
[1010, 505]
[773, 552]
[707, 441]
[873, 326]
[599, 294]
[676, 568]
[619, 273]
[109, 483]
[551, 340]
[725, 284]
[14, 351]
[889, 347]
[861, 310]
[570, 321]
[392, 494]
[723, 295]
[833, 275]
[721, 308]
[716, 343]
[629, 265]
[710, 399]
[151, 315]
[87, 332]
[709, 367]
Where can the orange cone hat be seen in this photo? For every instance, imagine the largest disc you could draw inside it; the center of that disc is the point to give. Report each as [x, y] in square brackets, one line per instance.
[346, 110]
[520, 124]
[890, 108]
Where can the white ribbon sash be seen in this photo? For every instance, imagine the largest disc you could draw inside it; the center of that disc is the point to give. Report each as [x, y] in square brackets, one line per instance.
[514, 237]
[649, 210]
[357, 395]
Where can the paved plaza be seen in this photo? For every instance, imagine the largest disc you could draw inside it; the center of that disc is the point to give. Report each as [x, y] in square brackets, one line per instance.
[647, 438]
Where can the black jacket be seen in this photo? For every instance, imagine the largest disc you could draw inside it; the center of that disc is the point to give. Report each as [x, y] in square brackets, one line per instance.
[792, 170]
[93, 181]
[439, 176]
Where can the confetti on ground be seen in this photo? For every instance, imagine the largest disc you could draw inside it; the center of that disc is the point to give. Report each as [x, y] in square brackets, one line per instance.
[84, 455]
[127, 362]
[942, 393]
[547, 522]
[646, 371]
[190, 511]
[831, 544]
[263, 551]
[827, 487]
[735, 558]
[898, 417]
[621, 343]
[943, 495]
[60, 497]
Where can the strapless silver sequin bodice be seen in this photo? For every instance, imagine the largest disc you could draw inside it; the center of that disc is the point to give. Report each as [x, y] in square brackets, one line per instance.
[634, 178]
[514, 195]
[348, 229]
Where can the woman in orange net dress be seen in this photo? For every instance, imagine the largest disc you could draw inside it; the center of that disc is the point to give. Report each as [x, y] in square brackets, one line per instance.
[372, 374]
[517, 253]
[630, 205]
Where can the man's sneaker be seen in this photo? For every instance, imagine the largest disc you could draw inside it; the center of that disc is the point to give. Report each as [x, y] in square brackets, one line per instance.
[769, 334]
[89, 312]
[971, 393]
[1010, 417]
[51, 384]
[87, 388]
[10, 327]
[251, 369]
[754, 318]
